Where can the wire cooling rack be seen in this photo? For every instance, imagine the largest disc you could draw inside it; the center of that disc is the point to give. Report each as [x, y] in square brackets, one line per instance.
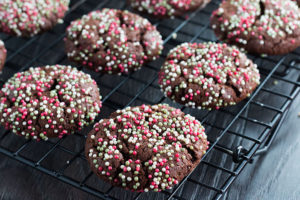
[236, 133]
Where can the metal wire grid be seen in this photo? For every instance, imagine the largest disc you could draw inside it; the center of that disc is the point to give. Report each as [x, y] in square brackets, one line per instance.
[235, 133]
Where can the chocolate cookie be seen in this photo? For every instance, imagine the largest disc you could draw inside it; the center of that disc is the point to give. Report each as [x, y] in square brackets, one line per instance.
[49, 101]
[2, 55]
[112, 41]
[29, 17]
[208, 75]
[146, 148]
[260, 27]
[167, 8]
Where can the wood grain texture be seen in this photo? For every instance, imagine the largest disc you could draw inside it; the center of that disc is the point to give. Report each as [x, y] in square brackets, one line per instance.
[273, 176]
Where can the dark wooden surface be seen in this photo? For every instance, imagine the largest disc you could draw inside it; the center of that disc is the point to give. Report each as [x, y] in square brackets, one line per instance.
[273, 176]
[276, 174]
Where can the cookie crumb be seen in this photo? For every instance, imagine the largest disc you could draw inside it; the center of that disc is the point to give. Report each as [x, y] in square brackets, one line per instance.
[174, 35]
[60, 21]
[264, 55]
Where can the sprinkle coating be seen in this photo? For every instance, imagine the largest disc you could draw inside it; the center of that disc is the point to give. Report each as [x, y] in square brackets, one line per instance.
[146, 148]
[27, 18]
[259, 26]
[208, 75]
[49, 101]
[3, 53]
[112, 41]
[167, 8]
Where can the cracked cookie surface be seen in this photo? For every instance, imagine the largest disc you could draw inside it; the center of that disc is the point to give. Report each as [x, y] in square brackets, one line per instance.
[259, 26]
[112, 41]
[49, 101]
[146, 148]
[3, 53]
[27, 18]
[167, 8]
[208, 75]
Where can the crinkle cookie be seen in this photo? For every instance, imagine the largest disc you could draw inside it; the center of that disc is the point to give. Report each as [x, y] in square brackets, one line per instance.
[208, 75]
[29, 17]
[112, 41]
[146, 148]
[259, 26]
[167, 8]
[50, 101]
